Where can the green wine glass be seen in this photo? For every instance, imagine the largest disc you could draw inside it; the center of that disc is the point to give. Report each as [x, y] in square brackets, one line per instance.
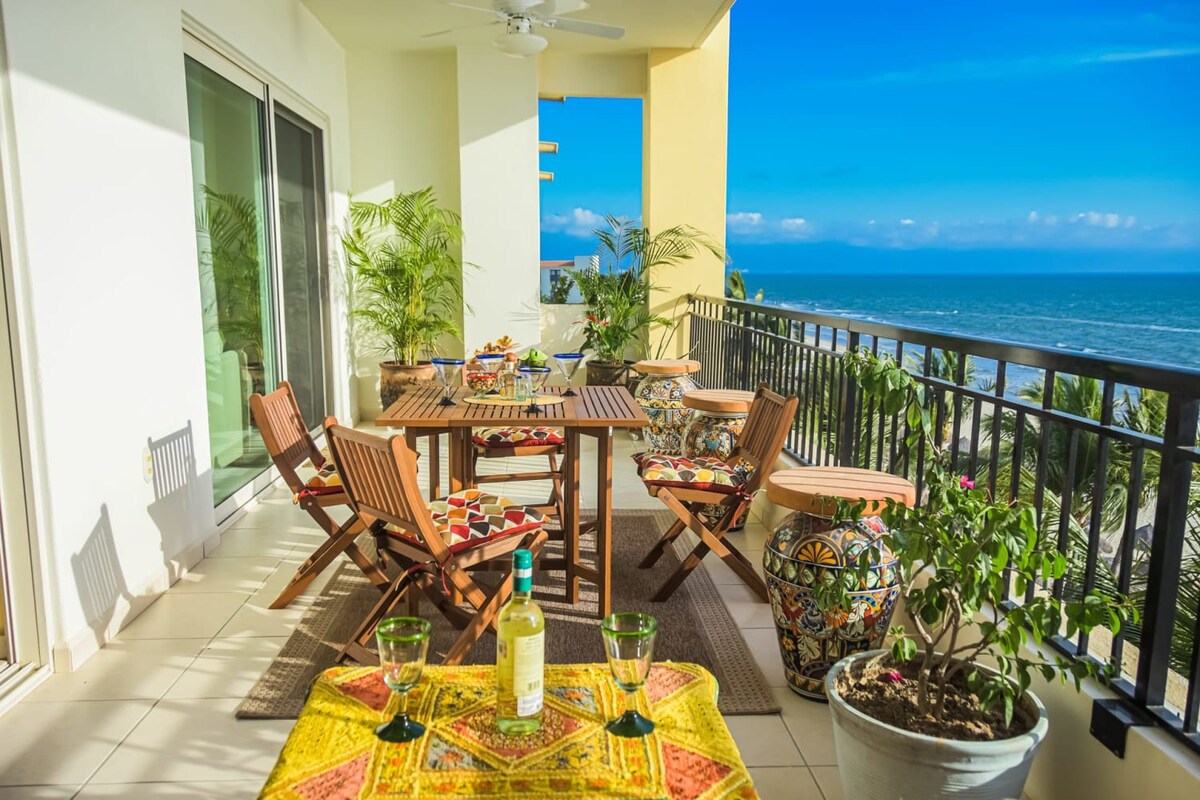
[629, 645]
[403, 645]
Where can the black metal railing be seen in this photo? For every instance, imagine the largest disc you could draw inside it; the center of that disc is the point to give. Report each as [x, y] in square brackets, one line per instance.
[1103, 448]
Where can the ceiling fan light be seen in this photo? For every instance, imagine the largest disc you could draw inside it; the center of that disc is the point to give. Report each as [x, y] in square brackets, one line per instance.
[520, 45]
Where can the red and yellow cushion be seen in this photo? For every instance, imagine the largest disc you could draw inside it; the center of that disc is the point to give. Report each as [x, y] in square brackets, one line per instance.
[518, 437]
[470, 517]
[326, 481]
[707, 474]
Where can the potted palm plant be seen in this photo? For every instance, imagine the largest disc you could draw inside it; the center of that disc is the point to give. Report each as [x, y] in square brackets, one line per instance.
[617, 295]
[927, 718]
[407, 284]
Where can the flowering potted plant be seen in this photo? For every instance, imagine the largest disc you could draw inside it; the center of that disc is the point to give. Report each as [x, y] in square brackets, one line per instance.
[926, 718]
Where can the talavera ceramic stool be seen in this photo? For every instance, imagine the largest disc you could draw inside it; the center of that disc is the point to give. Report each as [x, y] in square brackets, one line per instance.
[660, 394]
[806, 544]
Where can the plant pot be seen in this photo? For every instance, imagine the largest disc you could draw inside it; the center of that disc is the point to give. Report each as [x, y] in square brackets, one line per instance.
[396, 378]
[606, 373]
[878, 761]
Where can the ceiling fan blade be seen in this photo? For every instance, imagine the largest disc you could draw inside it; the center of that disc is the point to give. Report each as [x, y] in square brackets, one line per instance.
[584, 27]
[555, 8]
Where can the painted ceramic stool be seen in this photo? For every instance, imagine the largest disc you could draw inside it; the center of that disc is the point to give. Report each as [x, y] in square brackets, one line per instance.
[806, 544]
[718, 416]
[660, 394]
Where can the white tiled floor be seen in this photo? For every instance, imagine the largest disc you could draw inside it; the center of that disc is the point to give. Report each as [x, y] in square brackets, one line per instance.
[151, 715]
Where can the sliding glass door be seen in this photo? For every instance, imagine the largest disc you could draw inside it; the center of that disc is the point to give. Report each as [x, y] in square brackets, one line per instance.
[301, 192]
[230, 193]
[258, 183]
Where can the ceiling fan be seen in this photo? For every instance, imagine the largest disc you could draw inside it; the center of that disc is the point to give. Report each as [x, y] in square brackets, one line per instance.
[520, 16]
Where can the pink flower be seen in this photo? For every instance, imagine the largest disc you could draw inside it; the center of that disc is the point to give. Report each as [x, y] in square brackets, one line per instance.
[966, 483]
[891, 676]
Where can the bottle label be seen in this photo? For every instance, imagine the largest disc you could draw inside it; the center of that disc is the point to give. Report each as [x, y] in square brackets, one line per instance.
[528, 668]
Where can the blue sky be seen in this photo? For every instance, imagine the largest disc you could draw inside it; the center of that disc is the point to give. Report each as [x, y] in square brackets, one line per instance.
[1071, 126]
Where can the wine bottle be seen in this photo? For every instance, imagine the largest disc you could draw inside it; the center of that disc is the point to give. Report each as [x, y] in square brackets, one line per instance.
[520, 654]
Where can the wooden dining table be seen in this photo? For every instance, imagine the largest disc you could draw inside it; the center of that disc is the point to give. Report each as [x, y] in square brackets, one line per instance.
[594, 411]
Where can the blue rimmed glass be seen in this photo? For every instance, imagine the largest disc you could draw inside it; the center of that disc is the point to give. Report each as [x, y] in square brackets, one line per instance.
[568, 365]
[536, 378]
[403, 646]
[492, 362]
[447, 372]
[629, 645]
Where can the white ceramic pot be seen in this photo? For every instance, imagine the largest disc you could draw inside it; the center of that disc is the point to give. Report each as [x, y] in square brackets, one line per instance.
[878, 761]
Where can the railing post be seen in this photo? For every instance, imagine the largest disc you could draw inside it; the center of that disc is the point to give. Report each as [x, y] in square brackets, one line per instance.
[847, 413]
[1166, 551]
[747, 351]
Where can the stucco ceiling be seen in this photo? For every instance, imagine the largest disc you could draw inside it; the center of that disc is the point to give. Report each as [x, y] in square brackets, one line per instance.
[403, 24]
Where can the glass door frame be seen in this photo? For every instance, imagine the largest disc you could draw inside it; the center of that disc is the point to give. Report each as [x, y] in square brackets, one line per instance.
[275, 99]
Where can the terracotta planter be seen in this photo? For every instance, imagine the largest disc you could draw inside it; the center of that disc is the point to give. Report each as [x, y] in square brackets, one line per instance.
[878, 761]
[606, 373]
[396, 378]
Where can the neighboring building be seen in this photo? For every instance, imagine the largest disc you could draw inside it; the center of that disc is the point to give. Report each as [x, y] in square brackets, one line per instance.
[555, 271]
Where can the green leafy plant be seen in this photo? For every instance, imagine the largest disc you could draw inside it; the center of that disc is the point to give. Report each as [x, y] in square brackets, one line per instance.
[960, 555]
[560, 290]
[407, 281]
[735, 287]
[618, 294]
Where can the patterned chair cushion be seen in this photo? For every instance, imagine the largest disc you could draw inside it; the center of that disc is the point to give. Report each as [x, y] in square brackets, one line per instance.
[326, 481]
[706, 474]
[471, 517]
[518, 437]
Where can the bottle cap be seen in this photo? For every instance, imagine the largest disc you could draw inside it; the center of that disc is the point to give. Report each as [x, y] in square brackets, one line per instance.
[522, 570]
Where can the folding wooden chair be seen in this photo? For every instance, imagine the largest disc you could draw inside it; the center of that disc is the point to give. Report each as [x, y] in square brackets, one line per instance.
[708, 495]
[433, 544]
[277, 416]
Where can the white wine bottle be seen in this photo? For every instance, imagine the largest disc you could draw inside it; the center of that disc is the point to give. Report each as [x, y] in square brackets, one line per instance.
[520, 654]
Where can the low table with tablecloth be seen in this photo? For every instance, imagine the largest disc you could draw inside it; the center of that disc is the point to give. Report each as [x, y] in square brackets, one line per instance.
[333, 751]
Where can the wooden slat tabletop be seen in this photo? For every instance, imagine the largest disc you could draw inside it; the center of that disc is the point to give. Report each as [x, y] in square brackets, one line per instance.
[592, 407]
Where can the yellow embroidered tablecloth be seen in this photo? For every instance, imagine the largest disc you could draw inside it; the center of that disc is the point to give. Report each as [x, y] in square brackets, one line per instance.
[333, 754]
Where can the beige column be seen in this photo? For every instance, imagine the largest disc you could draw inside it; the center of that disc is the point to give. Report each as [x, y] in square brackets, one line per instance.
[684, 163]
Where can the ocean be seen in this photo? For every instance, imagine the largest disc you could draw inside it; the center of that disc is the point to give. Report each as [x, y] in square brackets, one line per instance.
[1137, 305]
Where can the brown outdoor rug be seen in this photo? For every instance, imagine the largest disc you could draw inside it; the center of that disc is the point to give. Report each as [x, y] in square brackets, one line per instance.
[694, 626]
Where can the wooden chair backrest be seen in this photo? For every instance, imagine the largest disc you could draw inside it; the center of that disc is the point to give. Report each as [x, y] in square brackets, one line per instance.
[761, 441]
[284, 433]
[380, 478]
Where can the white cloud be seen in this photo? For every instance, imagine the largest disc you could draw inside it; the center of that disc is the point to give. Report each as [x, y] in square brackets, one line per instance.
[1082, 230]
[744, 221]
[580, 222]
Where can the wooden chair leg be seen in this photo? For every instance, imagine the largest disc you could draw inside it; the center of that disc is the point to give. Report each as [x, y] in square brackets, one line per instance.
[356, 648]
[342, 540]
[709, 540]
[489, 606]
[660, 547]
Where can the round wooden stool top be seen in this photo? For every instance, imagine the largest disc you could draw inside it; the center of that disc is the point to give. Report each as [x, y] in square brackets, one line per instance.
[719, 401]
[667, 366]
[803, 489]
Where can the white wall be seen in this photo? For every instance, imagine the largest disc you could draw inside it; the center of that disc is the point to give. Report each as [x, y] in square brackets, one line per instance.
[405, 137]
[498, 173]
[105, 268]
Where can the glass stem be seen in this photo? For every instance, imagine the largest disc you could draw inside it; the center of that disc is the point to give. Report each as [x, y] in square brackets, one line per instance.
[402, 711]
[631, 702]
